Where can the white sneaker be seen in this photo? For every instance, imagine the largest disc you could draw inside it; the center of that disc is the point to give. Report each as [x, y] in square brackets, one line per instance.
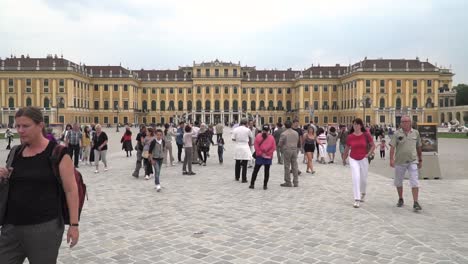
[105, 169]
[147, 177]
[356, 204]
[96, 171]
[158, 188]
[172, 164]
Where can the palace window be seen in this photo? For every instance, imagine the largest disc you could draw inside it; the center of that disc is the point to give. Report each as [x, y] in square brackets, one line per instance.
[207, 90]
[325, 88]
[280, 91]
[198, 72]
[382, 83]
[198, 90]
[367, 83]
[106, 105]
[180, 91]
[217, 90]
[96, 88]
[207, 72]
[235, 73]
[28, 82]
[316, 87]
[226, 90]
[398, 83]
[225, 72]
[163, 90]
[334, 88]
[244, 91]
[316, 105]
[125, 105]
[171, 90]
[262, 91]
[288, 91]
[216, 72]
[46, 82]
[252, 90]
[235, 90]
[125, 88]
[10, 82]
[306, 88]
[415, 83]
[429, 83]
[96, 105]
[116, 88]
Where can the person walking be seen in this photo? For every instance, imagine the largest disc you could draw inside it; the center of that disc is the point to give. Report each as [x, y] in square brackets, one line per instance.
[126, 141]
[219, 131]
[332, 137]
[252, 138]
[33, 226]
[264, 146]
[203, 143]
[150, 136]
[139, 150]
[157, 150]
[406, 155]
[242, 154]
[221, 149]
[73, 141]
[322, 144]
[280, 129]
[168, 135]
[383, 146]
[309, 148]
[358, 150]
[9, 137]
[100, 148]
[180, 140]
[187, 142]
[288, 142]
[342, 135]
[86, 146]
[195, 130]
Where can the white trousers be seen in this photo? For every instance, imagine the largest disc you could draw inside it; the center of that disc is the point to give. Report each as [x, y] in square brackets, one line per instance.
[359, 171]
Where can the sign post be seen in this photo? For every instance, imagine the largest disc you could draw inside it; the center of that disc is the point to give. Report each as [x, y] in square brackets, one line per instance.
[430, 167]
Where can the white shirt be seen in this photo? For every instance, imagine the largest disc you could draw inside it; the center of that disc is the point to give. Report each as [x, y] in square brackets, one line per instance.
[195, 131]
[241, 136]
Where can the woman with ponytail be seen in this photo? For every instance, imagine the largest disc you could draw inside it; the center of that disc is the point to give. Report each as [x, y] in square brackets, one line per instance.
[264, 145]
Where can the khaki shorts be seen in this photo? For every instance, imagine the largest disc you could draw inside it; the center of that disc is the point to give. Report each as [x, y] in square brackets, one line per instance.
[400, 171]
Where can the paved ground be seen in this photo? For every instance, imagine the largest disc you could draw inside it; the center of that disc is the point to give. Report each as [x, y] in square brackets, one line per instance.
[210, 218]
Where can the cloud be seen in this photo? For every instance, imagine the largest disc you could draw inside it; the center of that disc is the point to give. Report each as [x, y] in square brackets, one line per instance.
[266, 34]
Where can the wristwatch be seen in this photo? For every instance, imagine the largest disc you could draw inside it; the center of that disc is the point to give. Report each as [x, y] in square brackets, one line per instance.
[74, 224]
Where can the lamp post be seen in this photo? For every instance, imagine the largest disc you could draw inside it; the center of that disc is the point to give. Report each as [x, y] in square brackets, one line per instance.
[365, 101]
[117, 110]
[59, 102]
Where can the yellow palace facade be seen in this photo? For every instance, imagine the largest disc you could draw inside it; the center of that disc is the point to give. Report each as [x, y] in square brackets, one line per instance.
[382, 90]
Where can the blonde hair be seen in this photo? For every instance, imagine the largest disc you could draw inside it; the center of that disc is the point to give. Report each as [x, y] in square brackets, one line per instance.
[97, 126]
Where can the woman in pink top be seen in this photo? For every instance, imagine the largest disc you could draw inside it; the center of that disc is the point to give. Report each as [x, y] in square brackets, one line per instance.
[357, 141]
[264, 145]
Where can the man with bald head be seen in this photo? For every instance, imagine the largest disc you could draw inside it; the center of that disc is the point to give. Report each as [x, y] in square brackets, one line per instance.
[406, 155]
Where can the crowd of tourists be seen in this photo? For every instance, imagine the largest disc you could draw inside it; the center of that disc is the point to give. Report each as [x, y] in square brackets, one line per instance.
[252, 148]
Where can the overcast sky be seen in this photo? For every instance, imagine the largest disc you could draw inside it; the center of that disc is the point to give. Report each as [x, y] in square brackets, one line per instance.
[153, 34]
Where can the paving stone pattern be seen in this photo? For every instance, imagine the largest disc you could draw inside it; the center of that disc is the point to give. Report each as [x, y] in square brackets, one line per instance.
[210, 218]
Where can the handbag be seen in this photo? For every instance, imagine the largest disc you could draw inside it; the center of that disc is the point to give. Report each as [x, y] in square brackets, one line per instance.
[145, 154]
[4, 185]
[368, 147]
[254, 154]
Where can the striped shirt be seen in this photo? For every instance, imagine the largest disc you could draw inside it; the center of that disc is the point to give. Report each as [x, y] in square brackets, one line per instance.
[74, 137]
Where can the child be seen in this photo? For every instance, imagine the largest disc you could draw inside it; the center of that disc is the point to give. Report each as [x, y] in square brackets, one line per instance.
[221, 149]
[383, 146]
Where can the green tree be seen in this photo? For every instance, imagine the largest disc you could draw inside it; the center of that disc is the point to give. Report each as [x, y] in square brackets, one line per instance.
[462, 94]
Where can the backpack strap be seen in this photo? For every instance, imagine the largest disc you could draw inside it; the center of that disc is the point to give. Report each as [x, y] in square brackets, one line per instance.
[57, 154]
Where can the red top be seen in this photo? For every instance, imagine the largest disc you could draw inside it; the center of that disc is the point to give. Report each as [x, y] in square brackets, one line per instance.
[267, 147]
[126, 137]
[358, 145]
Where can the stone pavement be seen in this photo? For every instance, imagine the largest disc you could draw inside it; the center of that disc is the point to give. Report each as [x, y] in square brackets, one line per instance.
[210, 218]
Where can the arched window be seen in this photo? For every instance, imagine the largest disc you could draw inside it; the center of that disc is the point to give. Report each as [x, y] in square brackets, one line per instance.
[280, 105]
[171, 106]
[189, 105]
[429, 103]
[163, 105]
[226, 105]
[414, 104]
[270, 105]
[180, 105]
[28, 101]
[46, 102]
[235, 105]
[244, 105]
[207, 105]
[11, 102]
[288, 105]
[199, 107]
[145, 105]
[216, 105]
[252, 106]
[398, 103]
[382, 103]
[153, 105]
[262, 104]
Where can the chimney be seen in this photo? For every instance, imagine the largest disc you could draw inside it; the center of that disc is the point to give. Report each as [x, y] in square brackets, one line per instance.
[53, 65]
[389, 66]
[407, 66]
[19, 65]
[37, 65]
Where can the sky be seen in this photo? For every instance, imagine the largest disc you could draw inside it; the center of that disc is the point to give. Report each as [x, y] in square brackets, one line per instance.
[270, 34]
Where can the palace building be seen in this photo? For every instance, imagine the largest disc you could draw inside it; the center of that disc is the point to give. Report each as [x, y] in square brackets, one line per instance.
[381, 90]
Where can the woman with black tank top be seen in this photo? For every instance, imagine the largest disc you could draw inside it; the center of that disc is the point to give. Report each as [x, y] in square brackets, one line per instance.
[309, 148]
[33, 225]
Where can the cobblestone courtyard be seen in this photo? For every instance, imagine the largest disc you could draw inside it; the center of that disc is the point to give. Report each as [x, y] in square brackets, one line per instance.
[210, 218]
